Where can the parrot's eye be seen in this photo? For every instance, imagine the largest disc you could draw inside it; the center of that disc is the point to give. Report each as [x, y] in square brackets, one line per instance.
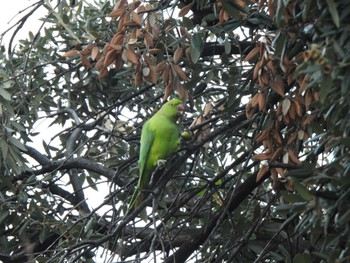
[172, 104]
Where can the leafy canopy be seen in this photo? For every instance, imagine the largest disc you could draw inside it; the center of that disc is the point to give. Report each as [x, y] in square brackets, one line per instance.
[265, 176]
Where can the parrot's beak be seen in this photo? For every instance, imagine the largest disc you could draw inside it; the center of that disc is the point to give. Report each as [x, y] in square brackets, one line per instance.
[180, 110]
[181, 107]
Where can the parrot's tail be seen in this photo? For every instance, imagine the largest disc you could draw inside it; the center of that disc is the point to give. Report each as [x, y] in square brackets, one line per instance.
[135, 201]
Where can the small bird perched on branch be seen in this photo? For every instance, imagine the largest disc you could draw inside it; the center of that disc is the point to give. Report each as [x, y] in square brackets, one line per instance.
[159, 139]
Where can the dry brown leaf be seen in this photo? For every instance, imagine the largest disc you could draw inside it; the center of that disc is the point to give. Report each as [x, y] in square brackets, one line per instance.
[280, 171]
[95, 53]
[305, 137]
[86, 62]
[298, 108]
[148, 39]
[252, 54]
[289, 186]
[276, 154]
[118, 62]
[183, 11]
[262, 135]
[255, 100]
[130, 23]
[188, 53]
[261, 4]
[117, 39]
[85, 52]
[70, 53]
[221, 16]
[138, 79]
[276, 183]
[131, 56]
[136, 18]
[116, 47]
[262, 102]
[304, 84]
[141, 9]
[153, 75]
[277, 85]
[257, 69]
[116, 13]
[293, 158]
[292, 138]
[124, 18]
[184, 32]
[292, 112]
[110, 57]
[132, 6]
[100, 63]
[271, 6]
[207, 109]
[262, 172]
[264, 78]
[274, 174]
[249, 111]
[149, 60]
[154, 51]
[182, 92]
[103, 73]
[276, 134]
[226, 16]
[106, 48]
[177, 55]
[261, 156]
[180, 73]
[161, 66]
[167, 92]
[166, 74]
[308, 99]
[270, 65]
[196, 122]
[308, 120]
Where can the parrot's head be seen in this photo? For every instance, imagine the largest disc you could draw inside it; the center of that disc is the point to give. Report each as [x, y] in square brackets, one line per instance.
[173, 108]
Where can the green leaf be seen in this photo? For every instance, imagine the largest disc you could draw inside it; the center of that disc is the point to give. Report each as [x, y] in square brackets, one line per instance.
[4, 214]
[233, 9]
[42, 235]
[300, 173]
[227, 45]
[325, 88]
[345, 218]
[291, 198]
[302, 190]
[15, 142]
[334, 12]
[196, 47]
[91, 183]
[5, 94]
[302, 258]
[4, 149]
[279, 43]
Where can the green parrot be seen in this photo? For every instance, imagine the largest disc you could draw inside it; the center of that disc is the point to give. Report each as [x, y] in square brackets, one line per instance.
[159, 139]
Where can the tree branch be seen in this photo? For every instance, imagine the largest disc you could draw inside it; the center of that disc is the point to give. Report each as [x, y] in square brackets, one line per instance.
[78, 163]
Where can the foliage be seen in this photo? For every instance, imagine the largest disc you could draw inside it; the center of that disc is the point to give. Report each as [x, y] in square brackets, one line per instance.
[265, 176]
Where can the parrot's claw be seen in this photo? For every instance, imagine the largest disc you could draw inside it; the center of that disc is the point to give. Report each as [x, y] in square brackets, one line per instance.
[161, 163]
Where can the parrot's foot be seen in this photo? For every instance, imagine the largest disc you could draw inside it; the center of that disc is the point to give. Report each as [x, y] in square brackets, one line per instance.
[161, 163]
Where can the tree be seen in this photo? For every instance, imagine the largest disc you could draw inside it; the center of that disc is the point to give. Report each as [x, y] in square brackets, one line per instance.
[265, 176]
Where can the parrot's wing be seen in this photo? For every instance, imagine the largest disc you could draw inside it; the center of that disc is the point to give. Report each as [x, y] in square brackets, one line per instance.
[147, 138]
